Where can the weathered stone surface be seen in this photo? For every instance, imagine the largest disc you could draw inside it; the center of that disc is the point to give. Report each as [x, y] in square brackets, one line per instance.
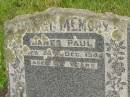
[68, 53]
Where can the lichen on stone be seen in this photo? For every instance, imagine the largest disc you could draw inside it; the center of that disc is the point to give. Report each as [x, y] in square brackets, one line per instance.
[26, 49]
[9, 55]
[116, 35]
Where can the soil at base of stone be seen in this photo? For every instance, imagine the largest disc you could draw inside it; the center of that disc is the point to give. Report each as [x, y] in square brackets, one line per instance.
[3, 92]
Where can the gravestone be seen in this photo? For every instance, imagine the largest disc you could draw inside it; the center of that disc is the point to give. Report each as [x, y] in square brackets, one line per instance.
[68, 53]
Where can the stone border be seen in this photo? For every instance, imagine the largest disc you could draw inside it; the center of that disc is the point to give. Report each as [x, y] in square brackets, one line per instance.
[16, 27]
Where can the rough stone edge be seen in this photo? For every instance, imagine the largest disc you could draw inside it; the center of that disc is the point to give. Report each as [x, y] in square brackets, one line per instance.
[58, 10]
[128, 44]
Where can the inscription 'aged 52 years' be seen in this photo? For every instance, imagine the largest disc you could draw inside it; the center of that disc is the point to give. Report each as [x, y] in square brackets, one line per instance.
[68, 53]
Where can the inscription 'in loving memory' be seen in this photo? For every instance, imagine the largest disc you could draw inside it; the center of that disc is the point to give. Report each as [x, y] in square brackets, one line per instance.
[75, 24]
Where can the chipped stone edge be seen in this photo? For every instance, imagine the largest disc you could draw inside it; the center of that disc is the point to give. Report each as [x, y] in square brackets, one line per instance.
[58, 10]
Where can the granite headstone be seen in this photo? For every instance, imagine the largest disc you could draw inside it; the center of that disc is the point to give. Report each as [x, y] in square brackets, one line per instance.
[68, 53]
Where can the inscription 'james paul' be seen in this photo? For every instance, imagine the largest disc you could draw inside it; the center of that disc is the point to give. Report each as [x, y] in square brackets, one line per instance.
[90, 43]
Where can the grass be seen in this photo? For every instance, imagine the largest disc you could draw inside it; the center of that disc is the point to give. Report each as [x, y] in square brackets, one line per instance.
[11, 8]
